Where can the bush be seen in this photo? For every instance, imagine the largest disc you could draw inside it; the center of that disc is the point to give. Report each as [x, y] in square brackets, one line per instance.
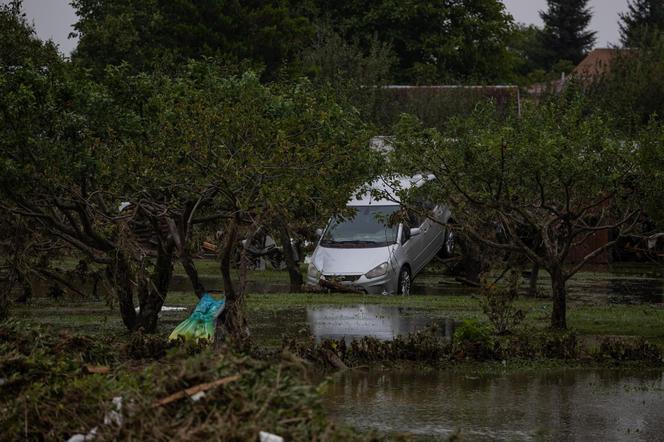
[473, 340]
[623, 350]
[498, 304]
[539, 345]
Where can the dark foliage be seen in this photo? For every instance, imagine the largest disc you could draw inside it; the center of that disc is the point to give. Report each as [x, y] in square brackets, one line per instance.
[566, 35]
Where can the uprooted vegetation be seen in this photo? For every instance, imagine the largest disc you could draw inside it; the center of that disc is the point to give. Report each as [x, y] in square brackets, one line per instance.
[474, 342]
[58, 385]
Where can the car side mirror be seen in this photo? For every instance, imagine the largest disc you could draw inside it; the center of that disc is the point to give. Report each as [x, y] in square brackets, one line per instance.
[415, 231]
[319, 232]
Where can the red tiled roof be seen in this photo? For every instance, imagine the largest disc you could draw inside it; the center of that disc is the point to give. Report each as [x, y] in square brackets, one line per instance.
[597, 62]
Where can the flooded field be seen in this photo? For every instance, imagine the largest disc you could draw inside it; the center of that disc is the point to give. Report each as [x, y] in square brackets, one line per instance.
[607, 405]
[620, 283]
[430, 404]
[617, 284]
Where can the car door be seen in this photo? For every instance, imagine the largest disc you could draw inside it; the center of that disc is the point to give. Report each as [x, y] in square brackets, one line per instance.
[415, 246]
[433, 236]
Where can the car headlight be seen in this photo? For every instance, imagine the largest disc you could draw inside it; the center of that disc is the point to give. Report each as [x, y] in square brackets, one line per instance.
[313, 272]
[377, 271]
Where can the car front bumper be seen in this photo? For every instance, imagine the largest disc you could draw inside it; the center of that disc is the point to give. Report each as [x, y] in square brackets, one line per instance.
[356, 283]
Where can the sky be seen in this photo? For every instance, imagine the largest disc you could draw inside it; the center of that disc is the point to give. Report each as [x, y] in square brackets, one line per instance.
[53, 18]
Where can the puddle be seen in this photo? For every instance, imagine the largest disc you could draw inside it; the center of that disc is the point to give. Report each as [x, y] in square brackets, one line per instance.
[346, 322]
[555, 405]
[170, 308]
[381, 322]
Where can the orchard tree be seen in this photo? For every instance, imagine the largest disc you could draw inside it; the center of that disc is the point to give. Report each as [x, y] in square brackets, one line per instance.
[643, 20]
[566, 35]
[538, 186]
[58, 173]
[242, 154]
[651, 158]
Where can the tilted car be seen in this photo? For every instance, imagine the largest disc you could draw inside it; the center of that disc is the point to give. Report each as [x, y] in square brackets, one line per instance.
[371, 252]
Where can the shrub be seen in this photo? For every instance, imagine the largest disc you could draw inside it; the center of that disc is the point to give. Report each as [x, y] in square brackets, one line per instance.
[628, 350]
[498, 304]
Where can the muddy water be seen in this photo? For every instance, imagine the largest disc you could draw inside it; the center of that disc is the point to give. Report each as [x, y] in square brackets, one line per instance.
[381, 322]
[347, 322]
[582, 405]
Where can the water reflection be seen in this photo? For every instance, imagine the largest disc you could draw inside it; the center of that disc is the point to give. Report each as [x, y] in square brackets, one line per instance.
[344, 322]
[554, 405]
[381, 322]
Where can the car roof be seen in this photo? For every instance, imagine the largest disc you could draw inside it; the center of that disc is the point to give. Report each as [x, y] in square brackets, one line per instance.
[389, 186]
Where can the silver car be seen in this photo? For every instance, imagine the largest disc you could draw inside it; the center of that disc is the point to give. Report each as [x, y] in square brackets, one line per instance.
[370, 254]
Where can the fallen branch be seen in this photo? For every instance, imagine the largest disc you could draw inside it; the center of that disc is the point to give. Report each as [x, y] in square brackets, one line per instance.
[97, 369]
[467, 282]
[193, 390]
[336, 286]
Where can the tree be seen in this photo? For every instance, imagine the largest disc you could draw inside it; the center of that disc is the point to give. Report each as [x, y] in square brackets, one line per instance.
[58, 179]
[566, 35]
[58, 174]
[538, 186]
[632, 89]
[20, 44]
[527, 46]
[238, 154]
[435, 41]
[643, 20]
[651, 159]
[155, 34]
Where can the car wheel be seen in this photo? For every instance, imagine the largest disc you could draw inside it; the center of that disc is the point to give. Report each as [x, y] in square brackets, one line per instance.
[405, 281]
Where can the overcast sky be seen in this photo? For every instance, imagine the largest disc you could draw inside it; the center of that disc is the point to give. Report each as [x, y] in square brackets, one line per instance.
[53, 18]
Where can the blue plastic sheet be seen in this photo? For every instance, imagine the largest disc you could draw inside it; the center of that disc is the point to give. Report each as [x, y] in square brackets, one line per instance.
[201, 323]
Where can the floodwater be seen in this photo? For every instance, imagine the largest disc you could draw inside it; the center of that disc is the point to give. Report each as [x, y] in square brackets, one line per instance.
[347, 322]
[381, 322]
[549, 405]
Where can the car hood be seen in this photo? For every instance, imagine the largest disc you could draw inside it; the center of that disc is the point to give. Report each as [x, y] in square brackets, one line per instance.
[351, 261]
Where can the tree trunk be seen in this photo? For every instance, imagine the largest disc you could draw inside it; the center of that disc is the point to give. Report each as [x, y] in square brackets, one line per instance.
[233, 319]
[294, 274]
[532, 280]
[473, 262]
[558, 314]
[4, 304]
[152, 297]
[225, 262]
[190, 268]
[120, 277]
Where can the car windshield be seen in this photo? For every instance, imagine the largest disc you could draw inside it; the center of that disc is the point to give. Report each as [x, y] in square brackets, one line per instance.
[368, 228]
